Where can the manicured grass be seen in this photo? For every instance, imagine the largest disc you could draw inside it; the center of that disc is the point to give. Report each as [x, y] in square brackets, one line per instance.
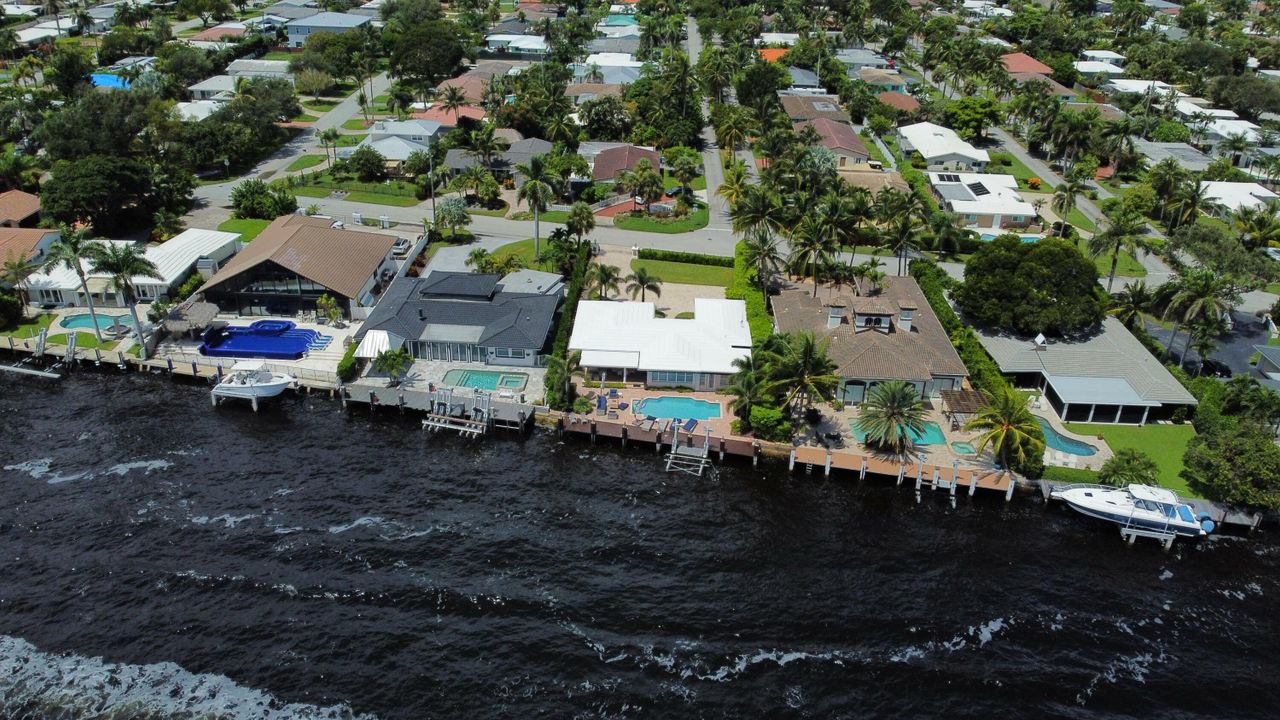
[874, 151]
[1019, 170]
[355, 123]
[698, 183]
[304, 117]
[320, 106]
[1126, 266]
[496, 212]
[686, 273]
[695, 220]
[351, 140]
[360, 196]
[278, 55]
[248, 228]
[84, 341]
[1077, 218]
[523, 249]
[684, 316]
[1164, 443]
[304, 162]
[30, 327]
[551, 216]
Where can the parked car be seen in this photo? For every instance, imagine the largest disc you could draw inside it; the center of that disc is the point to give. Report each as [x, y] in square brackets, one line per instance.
[401, 246]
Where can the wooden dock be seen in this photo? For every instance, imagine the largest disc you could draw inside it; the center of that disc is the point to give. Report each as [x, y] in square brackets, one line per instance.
[446, 408]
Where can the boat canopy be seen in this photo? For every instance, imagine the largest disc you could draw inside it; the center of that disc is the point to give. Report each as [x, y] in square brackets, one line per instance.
[376, 342]
[1153, 494]
[249, 366]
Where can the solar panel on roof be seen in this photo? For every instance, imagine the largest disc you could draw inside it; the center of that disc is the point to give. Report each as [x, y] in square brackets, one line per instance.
[978, 189]
[949, 178]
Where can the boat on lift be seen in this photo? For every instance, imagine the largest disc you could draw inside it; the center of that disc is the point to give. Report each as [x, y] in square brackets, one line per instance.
[251, 380]
[1154, 510]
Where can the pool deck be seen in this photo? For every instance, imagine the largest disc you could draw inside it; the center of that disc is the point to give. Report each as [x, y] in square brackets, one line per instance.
[317, 367]
[1057, 458]
[423, 373]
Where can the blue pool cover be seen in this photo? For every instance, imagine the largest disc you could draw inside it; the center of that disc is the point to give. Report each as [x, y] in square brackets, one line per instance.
[267, 339]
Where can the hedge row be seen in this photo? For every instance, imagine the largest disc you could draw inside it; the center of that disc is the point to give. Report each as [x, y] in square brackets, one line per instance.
[560, 348]
[744, 287]
[920, 186]
[684, 257]
[347, 366]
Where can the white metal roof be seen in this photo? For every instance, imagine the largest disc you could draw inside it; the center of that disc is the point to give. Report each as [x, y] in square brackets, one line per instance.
[1141, 86]
[172, 260]
[217, 83]
[933, 141]
[1102, 55]
[1235, 195]
[1222, 127]
[627, 334]
[197, 110]
[1186, 108]
[1097, 67]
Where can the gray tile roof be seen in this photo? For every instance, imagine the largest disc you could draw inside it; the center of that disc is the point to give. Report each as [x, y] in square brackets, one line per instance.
[463, 307]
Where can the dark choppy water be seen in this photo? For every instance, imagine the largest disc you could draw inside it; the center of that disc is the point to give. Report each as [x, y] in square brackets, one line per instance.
[159, 557]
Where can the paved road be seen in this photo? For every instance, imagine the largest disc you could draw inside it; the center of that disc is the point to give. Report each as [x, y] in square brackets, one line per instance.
[711, 166]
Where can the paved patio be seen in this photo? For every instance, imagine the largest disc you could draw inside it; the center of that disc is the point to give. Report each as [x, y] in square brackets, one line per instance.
[425, 373]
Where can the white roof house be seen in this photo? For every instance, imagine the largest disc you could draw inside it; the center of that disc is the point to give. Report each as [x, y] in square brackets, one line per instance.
[1187, 110]
[523, 44]
[174, 261]
[259, 68]
[629, 335]
[1231, 196]
[212, 87]
[1106, 56]
[1097, 69]
[396, 140]
[611, 59]
[197, 110]
[1222, 128]
[38, 34]
[984, 200]
[1138, 87]
[21, 10]
[940, 145]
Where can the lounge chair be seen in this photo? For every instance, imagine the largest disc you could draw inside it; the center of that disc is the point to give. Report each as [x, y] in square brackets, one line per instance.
[690, 425]
[613, 392]
[623, 406]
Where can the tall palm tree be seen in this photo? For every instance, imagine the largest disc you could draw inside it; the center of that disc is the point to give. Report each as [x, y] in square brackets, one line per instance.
[124, 263]
[484, 144]
[892, 416]
[1204, 342]
[581, 220]
[1127, 232]
[604, 279]
[564, 368]
[902, 235]
[763, 252]
[72, 250]
[1258, 226]
[1197, 297]
[329, 139]
[810, 246]
[641, 282]
[1007, 427]
[734, 127]
[946, 235]
[1190, 199]
[1064, 201]
[453, 100]
[735, 182]
[758, 208]
[801, 369]
[539, 189]
[53, 7]
[14, 273]
[749, 388]
[1132, 303]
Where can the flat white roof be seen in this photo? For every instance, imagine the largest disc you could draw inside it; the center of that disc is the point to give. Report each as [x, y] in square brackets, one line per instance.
[172, 260]
[1102, 55]
[609, 59]
[1222, 127]
[627, 334]
[1141, 86]
[1235, 195]
[1097, 67]
[1097, 391]
[933, 141]
[197, 110]
[217, 83]
[962, 193]
[1186, 108]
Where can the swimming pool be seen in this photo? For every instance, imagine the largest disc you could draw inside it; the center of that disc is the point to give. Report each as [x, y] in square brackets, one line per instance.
[269, 339]
[85, 321]
[486, 379]
[964, 448]
[620, 21]
[988, 237]
[932, 434]
[108, 80]
[1061, 443]
[685, 408]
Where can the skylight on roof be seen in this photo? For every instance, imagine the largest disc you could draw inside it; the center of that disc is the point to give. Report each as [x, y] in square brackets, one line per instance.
[824, 107]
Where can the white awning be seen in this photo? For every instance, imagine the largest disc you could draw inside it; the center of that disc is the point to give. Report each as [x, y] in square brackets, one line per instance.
[376, 342]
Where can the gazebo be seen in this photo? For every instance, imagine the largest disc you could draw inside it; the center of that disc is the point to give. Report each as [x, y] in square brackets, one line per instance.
[960, 405]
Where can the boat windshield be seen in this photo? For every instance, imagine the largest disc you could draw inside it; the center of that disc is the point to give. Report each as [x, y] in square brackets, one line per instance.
[1151, 506]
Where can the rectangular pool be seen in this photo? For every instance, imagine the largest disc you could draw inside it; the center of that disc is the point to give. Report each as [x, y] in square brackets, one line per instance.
[932, 434]
[486, 379]
[672, 406]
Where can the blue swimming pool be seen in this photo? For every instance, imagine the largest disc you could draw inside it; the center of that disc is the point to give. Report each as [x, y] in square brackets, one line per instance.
[486, 379]
[932, 434]
[685, 408]
[620, 21]
[85, 322]
[988, 237]
[1061, 443]
[269, 339]
[108, 80]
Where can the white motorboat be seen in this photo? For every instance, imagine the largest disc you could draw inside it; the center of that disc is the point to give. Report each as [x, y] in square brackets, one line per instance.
[1140, 507]
[251, 380]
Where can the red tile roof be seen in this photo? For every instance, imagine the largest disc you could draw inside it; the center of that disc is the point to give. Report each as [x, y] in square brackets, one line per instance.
[836, 136]
[899, 101]
[16, 206]
[450, 118]
[614, 160]
[472, 85]
[772, 54]
[218, 32]
[20, 243]
[1024, 63]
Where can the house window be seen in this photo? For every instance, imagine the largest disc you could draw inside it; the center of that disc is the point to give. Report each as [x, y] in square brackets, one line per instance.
[971, 218]
[672, 378]
[508, 352]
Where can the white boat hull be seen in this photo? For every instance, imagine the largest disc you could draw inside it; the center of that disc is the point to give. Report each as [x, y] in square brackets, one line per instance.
[1115, 505]
[252, 390]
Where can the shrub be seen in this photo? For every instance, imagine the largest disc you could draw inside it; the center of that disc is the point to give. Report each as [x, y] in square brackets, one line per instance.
[582, 406]
[684, 257]
[188, 288]
[744, 287]
[770, 424]
[560, 348]
[1033, 183]
[349, 366]
[10, 309]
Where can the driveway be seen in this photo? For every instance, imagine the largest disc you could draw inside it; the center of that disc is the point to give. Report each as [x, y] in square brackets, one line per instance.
[1234, 348]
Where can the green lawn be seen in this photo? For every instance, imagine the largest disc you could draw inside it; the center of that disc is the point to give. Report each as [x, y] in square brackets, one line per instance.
[360, 196]
[686, 273]
[1164, 443]
[351, 140]
[1126, 266]
[248, 228]
[84, 341]
[320, 106]
[874, 151]
[523, 249]
[355, 123]
[304, 162]
[551, 216]
[1019, 170]
[695, 220]
[278, 55]
[1077, 218]
[304, 117]
[496, 212]
[669, 181]
[30, 327]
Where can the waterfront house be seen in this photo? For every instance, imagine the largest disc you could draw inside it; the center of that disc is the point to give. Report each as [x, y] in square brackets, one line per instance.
[941, 148]
[982, 200]
[26, 244]
[295, 260]
[630, 342]
[338, 23]
[192, 250]
[471, 317]
[19, 209]
[1106, 376]
[840, 139]
[520, 152]
[880, 334]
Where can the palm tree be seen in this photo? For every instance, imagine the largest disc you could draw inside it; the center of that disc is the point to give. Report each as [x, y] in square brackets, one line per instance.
[564, 368]
[124, 263]
[946, 235]
[394, 363]
[1258, 226]
[53, 7]
[749, 388]
[604, 279]
[735, 182]
[758, 208]
[581, 220]
[329, 139]
[539, 189]
[484, 144]
[14, 273]
[801, 369]
[892, 416]
[1198, 296]
[1190, 199]
[72, 251]
[641, 282]
[810, 246]
[1007, 427]
[902, 235]
[1127, 232]
[453, 100]
[734, 127]
[1204, 342]
[1064, 201]
[764, 253]
[1132, 303]
[1236, 145]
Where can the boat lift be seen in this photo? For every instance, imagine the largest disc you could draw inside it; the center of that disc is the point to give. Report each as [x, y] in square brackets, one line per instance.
[688, 458]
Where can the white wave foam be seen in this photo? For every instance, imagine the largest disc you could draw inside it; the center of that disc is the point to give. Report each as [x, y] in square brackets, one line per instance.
[1133, 667]
[147, 466]
[227, 519]
[39, 683]
[1166, 575]
[39, 470]
[358, 522]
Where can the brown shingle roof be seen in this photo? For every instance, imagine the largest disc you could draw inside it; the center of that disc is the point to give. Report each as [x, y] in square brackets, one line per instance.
[1055, 87]
[16, 206]
[923, 352]
[471, 83]
[836, 136]
[809, 107]
[1023, 63]
[900, 101]
[341, 260]
[20, 243]
[614, 160]
[876, 76]
[595, 90]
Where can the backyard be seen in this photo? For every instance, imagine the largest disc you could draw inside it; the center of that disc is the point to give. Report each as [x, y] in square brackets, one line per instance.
[1163, 443]
[686, 273]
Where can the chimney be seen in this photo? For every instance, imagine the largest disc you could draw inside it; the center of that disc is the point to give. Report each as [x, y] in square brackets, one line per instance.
[835, 315]
[906, 313]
